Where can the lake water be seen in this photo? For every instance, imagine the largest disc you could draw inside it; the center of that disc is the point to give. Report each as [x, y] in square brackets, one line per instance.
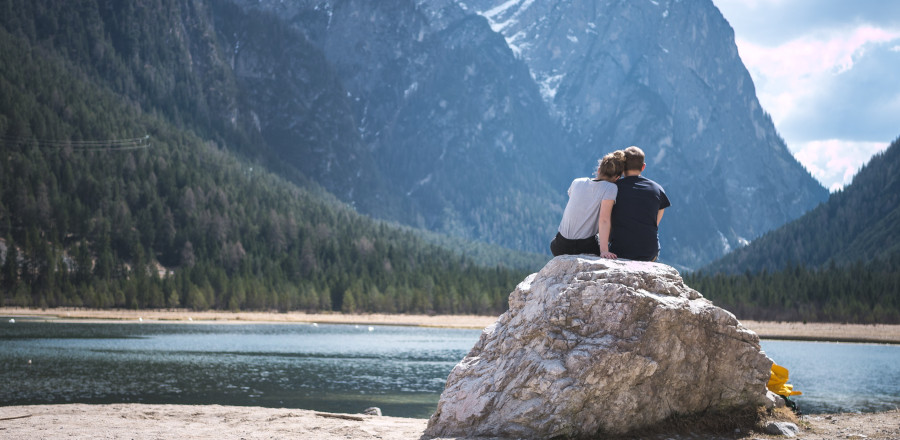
[337, 368]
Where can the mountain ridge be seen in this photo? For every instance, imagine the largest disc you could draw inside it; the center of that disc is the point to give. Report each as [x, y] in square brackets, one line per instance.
[420, 113]
[856, 224]
[840, 262]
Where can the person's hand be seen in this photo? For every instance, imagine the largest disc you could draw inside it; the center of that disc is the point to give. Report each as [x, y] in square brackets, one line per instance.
[608, 254]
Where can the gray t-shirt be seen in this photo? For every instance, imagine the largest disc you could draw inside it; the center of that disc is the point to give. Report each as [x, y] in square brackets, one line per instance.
[583, 210]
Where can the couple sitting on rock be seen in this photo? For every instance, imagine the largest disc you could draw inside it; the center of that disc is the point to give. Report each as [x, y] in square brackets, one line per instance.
[615, 215]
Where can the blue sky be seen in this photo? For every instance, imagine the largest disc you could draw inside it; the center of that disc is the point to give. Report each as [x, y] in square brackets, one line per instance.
[828, 71]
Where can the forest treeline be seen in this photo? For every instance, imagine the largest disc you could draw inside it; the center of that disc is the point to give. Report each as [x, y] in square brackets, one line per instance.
[104, 203]
[192, 227]
[856, 293]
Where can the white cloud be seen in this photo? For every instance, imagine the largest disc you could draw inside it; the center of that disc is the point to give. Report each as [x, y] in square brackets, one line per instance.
[800, 68]
[834, 162]
[794, 76]
[824, 70]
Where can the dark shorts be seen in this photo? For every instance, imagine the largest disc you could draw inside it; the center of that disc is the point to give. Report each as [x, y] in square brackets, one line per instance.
[564, 246]
[637, 257]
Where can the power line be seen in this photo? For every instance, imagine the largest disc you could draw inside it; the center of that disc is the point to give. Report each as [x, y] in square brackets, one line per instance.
[83, 145]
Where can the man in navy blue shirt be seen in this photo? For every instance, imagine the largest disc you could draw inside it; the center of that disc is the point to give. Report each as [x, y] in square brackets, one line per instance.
[638, 210]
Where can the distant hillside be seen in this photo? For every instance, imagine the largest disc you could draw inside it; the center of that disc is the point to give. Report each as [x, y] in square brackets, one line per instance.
[107, 201]
[857, 224]
[839, 263]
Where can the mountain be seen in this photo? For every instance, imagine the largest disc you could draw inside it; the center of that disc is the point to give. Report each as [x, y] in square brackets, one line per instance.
[856, 225]
[451, 118]
[467, 119]
[839, 262]
[244, 80]
[126, 184]
[665, 76]
[482, 134]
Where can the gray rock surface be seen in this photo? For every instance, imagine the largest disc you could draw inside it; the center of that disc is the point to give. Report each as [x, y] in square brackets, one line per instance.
[786, 429]
[774, 400]
[600, 346]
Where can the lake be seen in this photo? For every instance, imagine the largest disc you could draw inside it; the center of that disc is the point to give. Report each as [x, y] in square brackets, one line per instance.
[336, 368]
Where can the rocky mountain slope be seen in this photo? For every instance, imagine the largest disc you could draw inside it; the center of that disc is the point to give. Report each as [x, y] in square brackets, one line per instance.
[451, 118]
[478, 113]
[666, 76]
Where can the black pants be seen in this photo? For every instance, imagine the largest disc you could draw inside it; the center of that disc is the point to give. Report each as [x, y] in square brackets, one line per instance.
[563, 246]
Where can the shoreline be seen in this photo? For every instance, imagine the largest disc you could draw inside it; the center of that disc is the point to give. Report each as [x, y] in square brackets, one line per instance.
[796, 331]
[138, 420]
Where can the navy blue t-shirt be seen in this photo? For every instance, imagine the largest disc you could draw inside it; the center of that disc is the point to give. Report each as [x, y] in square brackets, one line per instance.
[634, 231]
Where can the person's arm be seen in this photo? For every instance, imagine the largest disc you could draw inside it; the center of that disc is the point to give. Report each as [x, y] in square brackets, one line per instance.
[659, 216]
[605, 224]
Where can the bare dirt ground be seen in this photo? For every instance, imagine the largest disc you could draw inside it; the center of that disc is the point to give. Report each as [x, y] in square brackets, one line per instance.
[814, 331]
[141, 421]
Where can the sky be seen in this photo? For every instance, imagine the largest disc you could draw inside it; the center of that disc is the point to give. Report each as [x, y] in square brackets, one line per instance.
[828, 72]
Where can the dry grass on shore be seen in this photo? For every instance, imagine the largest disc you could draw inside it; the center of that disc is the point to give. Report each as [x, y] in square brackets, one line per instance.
[814, 331]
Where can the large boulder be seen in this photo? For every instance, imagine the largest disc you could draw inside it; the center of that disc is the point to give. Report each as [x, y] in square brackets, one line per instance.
[592, 346]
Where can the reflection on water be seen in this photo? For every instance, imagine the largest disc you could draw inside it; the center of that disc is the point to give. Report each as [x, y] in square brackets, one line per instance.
[339, 368]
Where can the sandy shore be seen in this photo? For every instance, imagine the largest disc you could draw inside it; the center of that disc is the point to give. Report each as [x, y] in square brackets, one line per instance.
[880, 333]
[141, 421]
[818, 331]
[219, 317]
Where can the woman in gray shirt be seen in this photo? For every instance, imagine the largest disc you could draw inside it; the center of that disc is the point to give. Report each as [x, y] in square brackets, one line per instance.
[585, 224]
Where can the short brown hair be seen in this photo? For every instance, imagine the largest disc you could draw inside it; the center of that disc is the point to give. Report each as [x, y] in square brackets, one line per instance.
[634, 158]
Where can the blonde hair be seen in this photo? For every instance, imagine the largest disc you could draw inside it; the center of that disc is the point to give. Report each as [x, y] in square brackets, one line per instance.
[611, 165]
